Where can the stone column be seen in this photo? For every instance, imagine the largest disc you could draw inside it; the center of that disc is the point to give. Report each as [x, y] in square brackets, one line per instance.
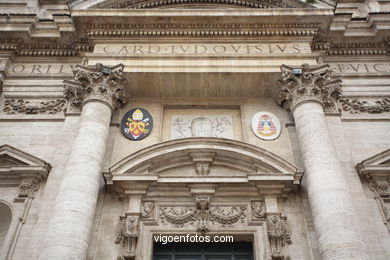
[306, 91]
[98, 90]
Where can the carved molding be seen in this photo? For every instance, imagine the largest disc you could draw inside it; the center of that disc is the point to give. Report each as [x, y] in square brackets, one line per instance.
[308, 83]
[355, 106]
[43, 49]
[127, 232]
[279, 235]
[200, 30]
[202, 215]
[98, 82]
[20, 106]
[146, 4]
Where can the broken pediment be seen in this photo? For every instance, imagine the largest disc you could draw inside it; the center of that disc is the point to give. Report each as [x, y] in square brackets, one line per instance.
[17, 166]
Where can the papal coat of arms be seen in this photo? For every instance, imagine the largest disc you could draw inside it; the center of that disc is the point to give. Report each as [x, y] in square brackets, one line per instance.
[266, 125]
[137, 124]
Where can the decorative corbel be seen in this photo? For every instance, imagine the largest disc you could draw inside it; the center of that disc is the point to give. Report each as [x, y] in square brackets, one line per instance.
[127, 235]
[202, 161]
[203, 212]
[279, 235]
[27, 189]
[381, 188]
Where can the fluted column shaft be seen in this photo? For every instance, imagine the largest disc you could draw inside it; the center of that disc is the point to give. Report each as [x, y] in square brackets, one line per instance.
[70, 227]
[333, 213]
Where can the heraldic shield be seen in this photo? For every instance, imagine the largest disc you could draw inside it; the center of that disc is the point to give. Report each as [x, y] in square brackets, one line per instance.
[137, 124]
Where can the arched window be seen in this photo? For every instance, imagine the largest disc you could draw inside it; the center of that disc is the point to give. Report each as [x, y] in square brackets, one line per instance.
[5, 222]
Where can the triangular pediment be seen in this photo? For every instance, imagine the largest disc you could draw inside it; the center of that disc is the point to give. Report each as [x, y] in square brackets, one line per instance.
[377, 165]
[382, 158]
[10, 156]
[16, 165]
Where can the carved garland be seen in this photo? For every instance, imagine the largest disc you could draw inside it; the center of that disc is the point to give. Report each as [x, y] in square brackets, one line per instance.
[355, 106]
[14, 106]
[202, 214]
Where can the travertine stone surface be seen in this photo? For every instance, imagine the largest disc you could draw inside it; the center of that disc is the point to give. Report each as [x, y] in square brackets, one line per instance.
[333, 213]
[99, 90]
[69, 229]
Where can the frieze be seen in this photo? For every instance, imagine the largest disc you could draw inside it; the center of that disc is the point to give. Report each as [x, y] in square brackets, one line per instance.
[20, 106]
[201, 49]
[355, 106]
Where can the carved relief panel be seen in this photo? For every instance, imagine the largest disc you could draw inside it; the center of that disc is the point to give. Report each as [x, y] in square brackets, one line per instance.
[202, 122]
[220, 126]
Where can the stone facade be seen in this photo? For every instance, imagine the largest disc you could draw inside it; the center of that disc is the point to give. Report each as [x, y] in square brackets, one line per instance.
[74, 186]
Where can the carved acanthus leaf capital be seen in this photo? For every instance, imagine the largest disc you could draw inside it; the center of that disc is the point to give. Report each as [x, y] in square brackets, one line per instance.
[98, 82]
[308, 83]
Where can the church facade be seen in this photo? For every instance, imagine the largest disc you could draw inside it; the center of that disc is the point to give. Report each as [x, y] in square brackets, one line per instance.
[267, 122]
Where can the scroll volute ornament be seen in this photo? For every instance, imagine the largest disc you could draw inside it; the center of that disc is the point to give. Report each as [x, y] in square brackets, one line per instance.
[307, 83]
[98, 82]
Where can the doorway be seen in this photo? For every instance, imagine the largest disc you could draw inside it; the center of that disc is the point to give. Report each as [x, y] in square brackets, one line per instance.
[203, 251]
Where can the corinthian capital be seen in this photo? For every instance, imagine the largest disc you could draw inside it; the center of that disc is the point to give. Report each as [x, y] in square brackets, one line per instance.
[308, 83]
[101, 83]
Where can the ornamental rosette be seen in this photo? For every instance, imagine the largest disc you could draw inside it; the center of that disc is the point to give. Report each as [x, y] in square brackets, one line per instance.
[308, 83]
[98, 82]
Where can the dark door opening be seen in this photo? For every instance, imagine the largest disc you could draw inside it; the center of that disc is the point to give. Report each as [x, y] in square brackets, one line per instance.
[203, 251]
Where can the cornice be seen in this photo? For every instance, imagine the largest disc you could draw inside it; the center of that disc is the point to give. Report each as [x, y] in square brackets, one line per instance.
[18, 47]
[201, 30]
[142, 4]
